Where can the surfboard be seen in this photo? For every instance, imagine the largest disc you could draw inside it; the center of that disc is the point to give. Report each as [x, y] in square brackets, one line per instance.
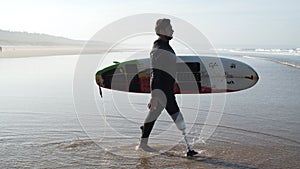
[194, 75]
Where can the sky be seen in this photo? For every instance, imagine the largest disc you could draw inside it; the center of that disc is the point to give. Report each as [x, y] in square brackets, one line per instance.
[226, 23]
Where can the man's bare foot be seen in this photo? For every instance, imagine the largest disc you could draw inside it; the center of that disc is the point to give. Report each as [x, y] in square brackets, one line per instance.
[144, 146]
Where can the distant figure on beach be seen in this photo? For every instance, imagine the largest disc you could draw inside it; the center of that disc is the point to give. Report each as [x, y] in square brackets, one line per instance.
[0, 49]
[163, 72]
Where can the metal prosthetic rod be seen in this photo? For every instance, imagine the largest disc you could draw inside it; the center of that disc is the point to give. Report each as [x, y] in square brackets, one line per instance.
[186, 141]
[189, 151]
[179, 121]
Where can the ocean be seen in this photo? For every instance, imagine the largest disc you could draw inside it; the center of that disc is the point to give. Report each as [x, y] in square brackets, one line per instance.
[40, 126]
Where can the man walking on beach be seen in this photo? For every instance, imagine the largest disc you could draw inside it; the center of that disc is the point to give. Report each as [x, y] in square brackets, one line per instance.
[163, 72]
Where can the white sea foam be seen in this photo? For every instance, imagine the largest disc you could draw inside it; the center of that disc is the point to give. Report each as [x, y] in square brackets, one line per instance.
[288, 57]
[295, 51]
[286, 63]
[276, 61]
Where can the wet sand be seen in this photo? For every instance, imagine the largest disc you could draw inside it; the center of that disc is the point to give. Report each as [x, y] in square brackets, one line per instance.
[88, 154]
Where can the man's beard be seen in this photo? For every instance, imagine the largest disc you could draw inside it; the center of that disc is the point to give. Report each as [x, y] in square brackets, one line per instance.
[165, 37]
[169, 37]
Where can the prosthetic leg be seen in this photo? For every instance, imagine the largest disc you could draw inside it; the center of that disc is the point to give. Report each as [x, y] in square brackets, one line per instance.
[179, 121]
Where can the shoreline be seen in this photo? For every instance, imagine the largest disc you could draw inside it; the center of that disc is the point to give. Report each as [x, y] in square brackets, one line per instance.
[40, 51]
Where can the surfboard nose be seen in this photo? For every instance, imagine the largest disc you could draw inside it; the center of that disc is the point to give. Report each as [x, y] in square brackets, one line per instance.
[254, 77]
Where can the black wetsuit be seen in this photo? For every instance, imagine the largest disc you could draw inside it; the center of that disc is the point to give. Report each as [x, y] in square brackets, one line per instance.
[163, 65]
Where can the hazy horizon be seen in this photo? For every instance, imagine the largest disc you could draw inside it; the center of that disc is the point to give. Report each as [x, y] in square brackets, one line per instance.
[228, 24]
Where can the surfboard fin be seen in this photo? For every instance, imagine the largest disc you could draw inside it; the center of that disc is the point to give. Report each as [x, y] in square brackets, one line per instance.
[100, 91]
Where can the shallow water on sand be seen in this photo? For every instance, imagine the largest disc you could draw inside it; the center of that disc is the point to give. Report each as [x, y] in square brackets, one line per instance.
[40, 127]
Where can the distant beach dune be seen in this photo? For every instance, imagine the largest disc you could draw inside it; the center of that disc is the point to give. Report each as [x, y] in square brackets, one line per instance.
[23, 44]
